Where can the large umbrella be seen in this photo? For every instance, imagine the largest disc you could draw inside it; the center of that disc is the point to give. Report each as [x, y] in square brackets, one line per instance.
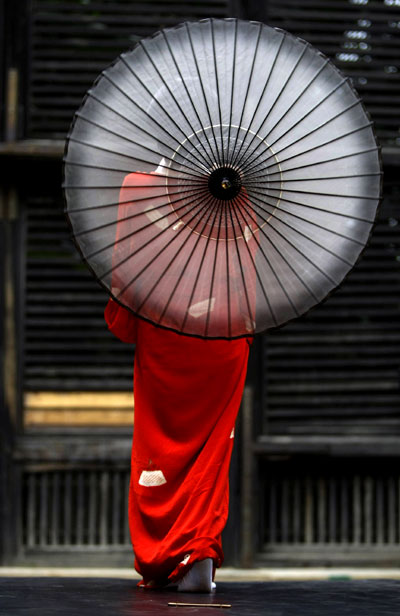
[222, 178]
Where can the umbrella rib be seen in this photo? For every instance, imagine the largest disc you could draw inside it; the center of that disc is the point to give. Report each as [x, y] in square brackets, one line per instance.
[318, 193]
[199, 270]
[260, 97]
[256, 47]
[194, 186]
[199, 234]
[228, 286]
[318, 104]
[283, 88]
[307, 179]
[314, 130]
[321, 145]
[156, 101]
[251, 317]
[163, 217]
[319, 71]
[320, 209]
[146, 267]
[318, 162]
[203, 92]
[124, 138]
[171, 225]
[87, 166]
[118, 186]
[172, 95]
[119, 169]
[212, 158]
[217, 90]
[315, 147]
[180, 248]
[193, 178]
[96, 98]
[351, 239]
[242, 201]
[232, 90]
[306, 87]
[128, 156]
[144, 110]
[138, 200]
[303, 282]
[132, 216]
[114, 267]
[273, 217]
[339, 85]
[244, 205]
[113, 187]
[218, 210]
[297, 250]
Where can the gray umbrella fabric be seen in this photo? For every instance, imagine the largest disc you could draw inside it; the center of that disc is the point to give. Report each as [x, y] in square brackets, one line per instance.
[222, 178]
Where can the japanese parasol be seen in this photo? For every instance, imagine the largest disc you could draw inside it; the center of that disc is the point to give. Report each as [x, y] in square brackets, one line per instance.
[221, 178]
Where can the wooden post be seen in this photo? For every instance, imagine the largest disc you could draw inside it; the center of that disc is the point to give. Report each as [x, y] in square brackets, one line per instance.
[9, 377]
[247, 534]
[12, 105]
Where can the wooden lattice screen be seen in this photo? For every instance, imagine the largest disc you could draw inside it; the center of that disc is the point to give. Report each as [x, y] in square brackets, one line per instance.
[337, 370]
[336, 511]
[67, 347]
[72, 42]
[333, 373]
[363, 39]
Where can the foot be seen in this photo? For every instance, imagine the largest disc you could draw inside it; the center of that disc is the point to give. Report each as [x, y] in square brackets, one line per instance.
[151, 584]
[198, 578]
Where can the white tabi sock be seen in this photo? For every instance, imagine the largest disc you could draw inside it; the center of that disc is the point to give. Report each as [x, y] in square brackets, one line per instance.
[198, 578]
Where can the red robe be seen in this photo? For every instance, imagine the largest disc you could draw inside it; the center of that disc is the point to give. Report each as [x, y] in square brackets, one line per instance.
[187, 395]
[156, 251]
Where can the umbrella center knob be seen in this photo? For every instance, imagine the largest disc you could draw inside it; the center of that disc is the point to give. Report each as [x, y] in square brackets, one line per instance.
[224, 183]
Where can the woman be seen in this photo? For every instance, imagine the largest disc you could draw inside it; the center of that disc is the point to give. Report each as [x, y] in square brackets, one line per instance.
[187, 395]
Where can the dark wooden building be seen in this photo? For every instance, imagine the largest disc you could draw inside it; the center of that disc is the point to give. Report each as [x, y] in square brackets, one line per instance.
[316, 470]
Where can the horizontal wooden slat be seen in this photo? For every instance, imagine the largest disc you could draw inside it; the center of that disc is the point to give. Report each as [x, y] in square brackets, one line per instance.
[67, 343]
[71, 42]
[363, 41]
[77, 417]
[50, 408]
[77, 399]
[337, 370]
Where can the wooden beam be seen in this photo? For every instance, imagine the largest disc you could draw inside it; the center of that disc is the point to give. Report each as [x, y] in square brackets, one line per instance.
[12, 104]
[78, 409]
[319, 444]
[247, 480]
[54, 148]
[47, 148]
[9, 214]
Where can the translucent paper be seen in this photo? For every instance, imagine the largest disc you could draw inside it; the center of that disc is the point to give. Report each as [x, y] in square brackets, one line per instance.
[222, 178]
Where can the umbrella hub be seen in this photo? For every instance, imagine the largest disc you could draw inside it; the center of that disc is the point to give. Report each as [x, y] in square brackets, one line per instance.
[224, 183]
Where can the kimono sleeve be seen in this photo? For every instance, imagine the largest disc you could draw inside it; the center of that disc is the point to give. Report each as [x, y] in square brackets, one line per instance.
[121, 322]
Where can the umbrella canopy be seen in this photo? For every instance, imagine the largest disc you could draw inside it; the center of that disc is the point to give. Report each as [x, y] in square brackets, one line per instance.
[222, 178]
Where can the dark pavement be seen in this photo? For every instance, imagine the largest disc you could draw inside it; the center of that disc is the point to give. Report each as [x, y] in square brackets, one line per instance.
[35, 596]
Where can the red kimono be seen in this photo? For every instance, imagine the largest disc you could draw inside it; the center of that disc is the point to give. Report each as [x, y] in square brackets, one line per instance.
[161, 264]
[187, 395]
